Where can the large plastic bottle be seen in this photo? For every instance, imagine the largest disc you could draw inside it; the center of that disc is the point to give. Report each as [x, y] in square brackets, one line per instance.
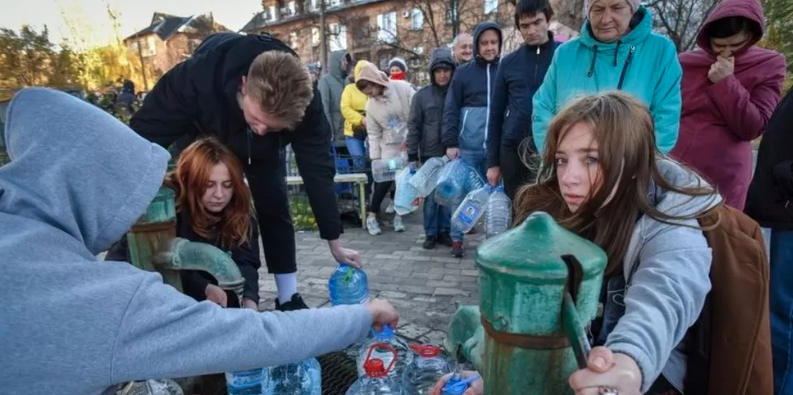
[427, 367]
[406, 197]
[348, 285]
[379, 347]
[247, 382]
[426, 177]
[376, 379]
[453, 183]
[498, 216]
[385, 170]
[470, 210]
[303, 378]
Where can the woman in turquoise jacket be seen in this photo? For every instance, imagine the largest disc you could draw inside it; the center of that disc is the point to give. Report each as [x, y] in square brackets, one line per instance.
[616, 50]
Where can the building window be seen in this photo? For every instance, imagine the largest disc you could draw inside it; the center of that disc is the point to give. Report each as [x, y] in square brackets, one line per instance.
[417, 19]
[313, 5]
[272, 14]
[338, 37]
[491, 6]
[387, 27]
[315, 37]
[418, 50]
[384, 59]
[334, 3]
[292, 7]
[452, 11]
[148, 47]
[293, 40]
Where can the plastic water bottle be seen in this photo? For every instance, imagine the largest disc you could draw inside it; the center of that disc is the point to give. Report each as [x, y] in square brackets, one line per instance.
[426, 177]
[376, 379]
[470, 210]
[406, 197]
[384, 170]
[452, 183]
[303, 378]
[348, 285]
[248, 382]
[380, 346]
[427, 367]
[498, 216]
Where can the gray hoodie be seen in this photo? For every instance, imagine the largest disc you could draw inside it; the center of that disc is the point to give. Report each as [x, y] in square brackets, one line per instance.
[667, 270]
[331, 86]
[77, 181]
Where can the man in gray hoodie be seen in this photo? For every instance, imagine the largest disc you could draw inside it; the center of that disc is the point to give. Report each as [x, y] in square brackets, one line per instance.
[331, 86]
[77, 181]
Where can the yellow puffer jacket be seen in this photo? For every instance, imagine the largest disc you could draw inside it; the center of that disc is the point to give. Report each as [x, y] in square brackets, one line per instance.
[353, 103]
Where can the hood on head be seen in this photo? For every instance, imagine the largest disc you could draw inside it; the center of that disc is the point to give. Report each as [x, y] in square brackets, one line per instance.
[441, 57]
[129, 86]
[677, 204]
[76, 168]
[359, 67]
[334, 68]
[480, 28]
[370, 72]
[749, 9]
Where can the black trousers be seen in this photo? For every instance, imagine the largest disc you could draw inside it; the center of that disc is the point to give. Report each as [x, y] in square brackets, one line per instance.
[381, 189]
[514, 171]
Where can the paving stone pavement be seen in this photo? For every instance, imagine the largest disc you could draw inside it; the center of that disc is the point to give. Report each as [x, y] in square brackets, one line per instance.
[423, 285]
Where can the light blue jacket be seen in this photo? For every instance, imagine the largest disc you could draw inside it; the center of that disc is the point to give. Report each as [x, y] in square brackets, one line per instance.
[645, 62]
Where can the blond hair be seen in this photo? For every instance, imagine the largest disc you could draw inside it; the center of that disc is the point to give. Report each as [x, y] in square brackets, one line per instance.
[281, 85]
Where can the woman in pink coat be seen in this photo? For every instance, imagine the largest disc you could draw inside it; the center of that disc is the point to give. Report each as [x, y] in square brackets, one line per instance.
[730, 89]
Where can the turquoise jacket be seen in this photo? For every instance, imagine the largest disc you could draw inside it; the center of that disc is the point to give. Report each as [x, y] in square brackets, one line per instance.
[642, 63]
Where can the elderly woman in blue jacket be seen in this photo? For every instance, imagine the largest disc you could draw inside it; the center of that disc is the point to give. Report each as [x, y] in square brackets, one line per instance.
[616, 50]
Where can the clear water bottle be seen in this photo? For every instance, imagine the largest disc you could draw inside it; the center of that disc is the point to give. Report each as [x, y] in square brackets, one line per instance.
[303, 378]
[427, 367]
[426, 177]
[380, 346]
[470, 210]
[498, 216]
[247, 382]
[452, 183]
[474, 180]
[376, 379]
[406, 198]
[348, 285]
[384, 170]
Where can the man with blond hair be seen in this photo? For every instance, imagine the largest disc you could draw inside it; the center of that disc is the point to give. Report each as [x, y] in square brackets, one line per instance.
[253, 93]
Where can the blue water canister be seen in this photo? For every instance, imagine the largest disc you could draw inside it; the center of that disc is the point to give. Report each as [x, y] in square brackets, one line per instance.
[348, 285]
[453, 183]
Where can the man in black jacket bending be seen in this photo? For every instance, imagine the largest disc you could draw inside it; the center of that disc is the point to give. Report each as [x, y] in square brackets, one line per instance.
[253, 94]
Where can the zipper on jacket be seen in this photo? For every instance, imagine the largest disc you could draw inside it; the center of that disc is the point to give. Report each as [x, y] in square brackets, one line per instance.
[625, 67]
[249, 145]
[536, 63]
[487, 115]
[462, 128]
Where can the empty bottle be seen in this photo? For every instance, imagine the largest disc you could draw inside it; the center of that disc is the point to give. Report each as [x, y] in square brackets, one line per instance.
[379, 347]
[303, 378]
[470, 210]
[406, 198]
[348, 285]
[248, 382]
[426, 177]
[452, 183]
[376, 379]
[384, 170]
[498, 216]
[427, 367]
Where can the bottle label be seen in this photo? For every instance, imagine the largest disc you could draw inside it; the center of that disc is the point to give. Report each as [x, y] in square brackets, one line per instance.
[469, 213]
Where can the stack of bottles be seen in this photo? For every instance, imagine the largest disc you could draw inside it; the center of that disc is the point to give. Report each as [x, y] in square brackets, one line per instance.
[406, 198]
[386, 170]
[426, 177]
[455, 181]
[492, 203]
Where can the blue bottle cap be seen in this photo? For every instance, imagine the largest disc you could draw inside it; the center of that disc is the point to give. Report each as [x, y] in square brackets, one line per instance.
[386, 334]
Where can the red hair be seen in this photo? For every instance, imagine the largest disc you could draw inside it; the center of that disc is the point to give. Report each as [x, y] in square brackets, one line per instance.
[229, 228]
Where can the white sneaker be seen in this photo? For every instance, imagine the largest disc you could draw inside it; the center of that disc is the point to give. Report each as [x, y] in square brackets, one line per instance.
[373, 227]
[398, 225]
[390, 209]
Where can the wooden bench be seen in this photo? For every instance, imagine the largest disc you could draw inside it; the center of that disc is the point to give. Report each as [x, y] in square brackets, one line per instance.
[356, 178]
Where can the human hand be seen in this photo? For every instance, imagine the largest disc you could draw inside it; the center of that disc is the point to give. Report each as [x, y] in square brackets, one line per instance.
[344, 255]
[723, 68]
[216, 295]
[249, 304]
[383, 313]
[494, 175]
[475, 388]
[452, 153]
[605, 369]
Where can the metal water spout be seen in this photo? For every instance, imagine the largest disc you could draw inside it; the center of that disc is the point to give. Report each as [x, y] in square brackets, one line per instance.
[153, 246]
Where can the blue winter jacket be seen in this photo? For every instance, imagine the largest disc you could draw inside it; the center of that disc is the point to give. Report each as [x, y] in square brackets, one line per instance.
[641, 63]
[465, 116]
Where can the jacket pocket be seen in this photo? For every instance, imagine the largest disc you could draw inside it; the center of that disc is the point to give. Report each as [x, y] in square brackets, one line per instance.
[472, 129]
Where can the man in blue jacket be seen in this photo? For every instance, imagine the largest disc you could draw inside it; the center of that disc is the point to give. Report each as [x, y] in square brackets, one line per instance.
[465, 116]
[519, 75]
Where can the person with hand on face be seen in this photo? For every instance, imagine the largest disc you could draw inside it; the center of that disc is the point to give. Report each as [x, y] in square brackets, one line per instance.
[519, 76]
[465, 113]
[730, 90]
[642, 209]
[252, 93]
[617, 49]
[463, 48]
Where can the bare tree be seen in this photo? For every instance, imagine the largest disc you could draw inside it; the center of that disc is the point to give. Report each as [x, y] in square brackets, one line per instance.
[681, 20]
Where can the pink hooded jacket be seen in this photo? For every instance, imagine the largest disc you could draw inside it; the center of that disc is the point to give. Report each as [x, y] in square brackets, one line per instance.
[719, 121]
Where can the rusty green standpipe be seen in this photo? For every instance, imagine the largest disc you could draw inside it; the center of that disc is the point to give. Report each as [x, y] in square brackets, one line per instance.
[519, 344]
[153, 246]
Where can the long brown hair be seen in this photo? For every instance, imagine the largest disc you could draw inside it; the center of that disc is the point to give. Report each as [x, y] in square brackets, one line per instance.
[627, 154]
[229, 228]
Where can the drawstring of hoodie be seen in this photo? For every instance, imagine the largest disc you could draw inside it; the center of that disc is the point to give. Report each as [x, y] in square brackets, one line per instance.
[591, 71]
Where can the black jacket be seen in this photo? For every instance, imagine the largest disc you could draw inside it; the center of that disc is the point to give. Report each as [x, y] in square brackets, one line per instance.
[199, 97]
[519, 76]
[770, 197]
[425, 127]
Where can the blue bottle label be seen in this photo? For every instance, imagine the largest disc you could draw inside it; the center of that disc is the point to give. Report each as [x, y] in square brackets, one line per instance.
[469, 213]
